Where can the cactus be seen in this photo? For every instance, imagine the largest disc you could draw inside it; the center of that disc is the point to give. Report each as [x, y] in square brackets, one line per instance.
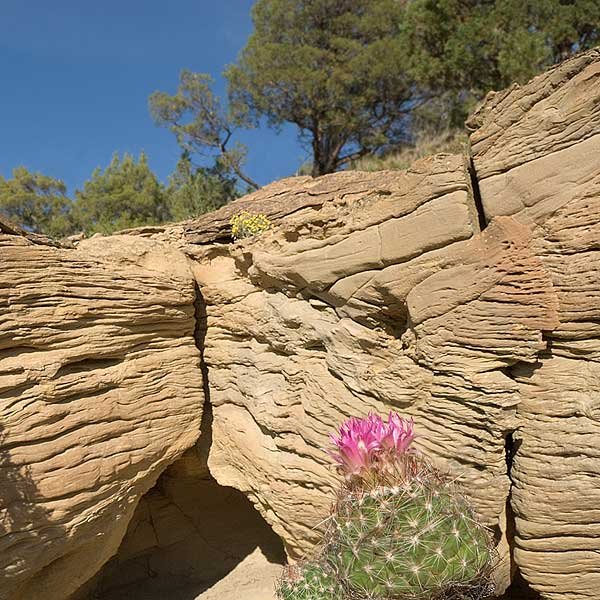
[400, 530]
[417, 540]
[309, 581]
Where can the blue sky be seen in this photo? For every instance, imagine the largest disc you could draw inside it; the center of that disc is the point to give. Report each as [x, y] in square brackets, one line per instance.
[76, 76]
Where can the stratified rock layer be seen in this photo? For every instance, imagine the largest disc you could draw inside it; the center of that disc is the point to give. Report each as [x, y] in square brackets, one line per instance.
[371, 292]
[378, 291]
[536, 151]
[343, 320]
[100, 389]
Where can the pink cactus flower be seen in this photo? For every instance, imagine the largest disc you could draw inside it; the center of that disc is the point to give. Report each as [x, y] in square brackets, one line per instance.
[357, 445]
[368, 444]
[398, 434]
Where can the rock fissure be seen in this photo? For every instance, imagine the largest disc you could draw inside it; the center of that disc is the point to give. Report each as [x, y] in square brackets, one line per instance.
[519, 589]
[476, 192]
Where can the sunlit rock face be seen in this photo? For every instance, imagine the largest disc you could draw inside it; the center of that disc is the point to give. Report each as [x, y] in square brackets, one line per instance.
[463, 291]
[431, 331]
[536, 151]
[100, 389]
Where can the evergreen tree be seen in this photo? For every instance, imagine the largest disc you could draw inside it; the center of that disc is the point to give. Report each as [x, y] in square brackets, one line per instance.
[126, 194]
[194, 191]
[200, 124]
[334, 68]
[36, 202]
[460, 49]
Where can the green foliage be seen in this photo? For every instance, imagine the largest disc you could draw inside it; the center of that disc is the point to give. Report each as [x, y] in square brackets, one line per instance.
[248, 225]
[418, 540]
[365, 77]
[309, 581]
[36, 202]
[459, 50]
[195, 115]
[331, 67]
[126, 194]
[192, 192]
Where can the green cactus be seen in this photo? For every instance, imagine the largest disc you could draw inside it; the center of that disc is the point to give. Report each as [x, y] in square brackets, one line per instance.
[309, 581]
[417, 541]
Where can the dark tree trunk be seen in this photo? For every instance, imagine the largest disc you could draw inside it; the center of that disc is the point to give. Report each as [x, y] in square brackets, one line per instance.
[326, 154]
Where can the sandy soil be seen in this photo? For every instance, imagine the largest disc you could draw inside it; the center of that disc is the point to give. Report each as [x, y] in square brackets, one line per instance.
[252, 579]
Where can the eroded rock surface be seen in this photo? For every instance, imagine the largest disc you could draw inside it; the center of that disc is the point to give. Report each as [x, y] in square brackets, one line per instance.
[100, 389]
[536, 151]
[293, 350]
[379, 291]
[463, 291]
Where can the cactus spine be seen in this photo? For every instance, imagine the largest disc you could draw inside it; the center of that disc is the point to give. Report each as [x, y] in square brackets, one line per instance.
[309, 581]
[400, 530]
[415, 541]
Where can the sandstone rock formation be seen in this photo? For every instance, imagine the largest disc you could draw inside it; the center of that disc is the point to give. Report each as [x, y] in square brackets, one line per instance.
[536, 152]
[293, 350]
[100, 389]
[463, 291]
[378, 291]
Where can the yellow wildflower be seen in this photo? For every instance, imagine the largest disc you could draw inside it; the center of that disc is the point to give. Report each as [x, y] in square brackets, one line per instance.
[246, 224]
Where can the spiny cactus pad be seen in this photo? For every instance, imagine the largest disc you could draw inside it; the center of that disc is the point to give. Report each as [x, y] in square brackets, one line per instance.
[309, 581]
[417, 541]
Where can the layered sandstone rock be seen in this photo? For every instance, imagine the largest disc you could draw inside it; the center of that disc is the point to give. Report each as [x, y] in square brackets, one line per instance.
[295, 344]
[378, 291]
[536, 151]
[100, 389]
[463, 291]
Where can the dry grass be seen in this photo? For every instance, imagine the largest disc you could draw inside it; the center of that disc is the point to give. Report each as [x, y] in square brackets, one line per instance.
[453, 142]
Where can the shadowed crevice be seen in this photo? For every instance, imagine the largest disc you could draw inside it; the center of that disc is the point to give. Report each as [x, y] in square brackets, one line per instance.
[476, 192]
[519, 589]
[205, 440]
